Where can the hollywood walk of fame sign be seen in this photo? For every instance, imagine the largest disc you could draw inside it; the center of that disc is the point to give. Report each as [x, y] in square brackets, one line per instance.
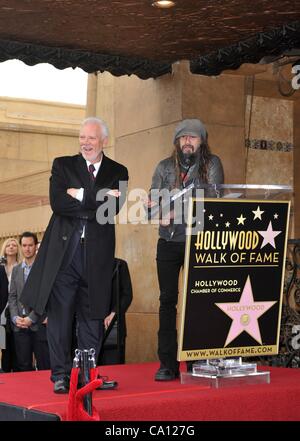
[233, 278]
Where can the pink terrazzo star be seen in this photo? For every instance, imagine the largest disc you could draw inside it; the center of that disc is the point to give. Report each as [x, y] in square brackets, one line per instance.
[269, 236]
[245, 314]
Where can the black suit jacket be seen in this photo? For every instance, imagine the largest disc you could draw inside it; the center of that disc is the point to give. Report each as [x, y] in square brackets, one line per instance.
[121, 295]
[68, 216]
[3, 288]
[15, 306]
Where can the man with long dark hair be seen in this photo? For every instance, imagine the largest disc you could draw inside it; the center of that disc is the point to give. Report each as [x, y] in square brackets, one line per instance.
[190, 163]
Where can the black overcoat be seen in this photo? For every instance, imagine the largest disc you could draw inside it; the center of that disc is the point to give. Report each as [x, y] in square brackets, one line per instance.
[68, 215]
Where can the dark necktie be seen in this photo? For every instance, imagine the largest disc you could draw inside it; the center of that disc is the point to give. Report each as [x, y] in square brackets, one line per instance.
[91, 171]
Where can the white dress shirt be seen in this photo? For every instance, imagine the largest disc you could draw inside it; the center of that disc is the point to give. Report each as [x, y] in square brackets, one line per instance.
[79, 195]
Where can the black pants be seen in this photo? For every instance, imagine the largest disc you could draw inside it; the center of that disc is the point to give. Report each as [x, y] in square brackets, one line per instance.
[9, 357]
[30, 342]
[170, 259]
[69, 296]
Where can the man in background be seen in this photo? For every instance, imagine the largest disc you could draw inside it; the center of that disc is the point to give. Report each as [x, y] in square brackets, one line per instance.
[29, 332]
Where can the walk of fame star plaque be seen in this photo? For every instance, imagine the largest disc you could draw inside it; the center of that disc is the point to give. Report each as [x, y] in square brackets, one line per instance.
[233, 280]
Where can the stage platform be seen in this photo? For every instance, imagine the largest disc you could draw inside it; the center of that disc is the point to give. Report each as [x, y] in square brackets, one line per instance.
[29, 396]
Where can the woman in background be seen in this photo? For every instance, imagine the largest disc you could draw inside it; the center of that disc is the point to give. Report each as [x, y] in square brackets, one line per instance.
[11, 256]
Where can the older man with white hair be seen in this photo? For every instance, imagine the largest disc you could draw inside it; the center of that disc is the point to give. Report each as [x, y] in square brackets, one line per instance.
[73, 269]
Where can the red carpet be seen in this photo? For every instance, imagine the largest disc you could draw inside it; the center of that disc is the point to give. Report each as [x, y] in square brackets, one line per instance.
[139, 398]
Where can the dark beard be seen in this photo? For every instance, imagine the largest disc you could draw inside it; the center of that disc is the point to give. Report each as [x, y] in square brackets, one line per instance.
[186, 160]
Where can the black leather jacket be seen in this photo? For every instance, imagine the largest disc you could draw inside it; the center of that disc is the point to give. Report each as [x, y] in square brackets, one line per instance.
[164, 177]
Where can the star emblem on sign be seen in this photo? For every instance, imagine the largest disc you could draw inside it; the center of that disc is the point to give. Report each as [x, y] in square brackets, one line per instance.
[241, 220]
[269, 236]
[257, 213]
[245, 314]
